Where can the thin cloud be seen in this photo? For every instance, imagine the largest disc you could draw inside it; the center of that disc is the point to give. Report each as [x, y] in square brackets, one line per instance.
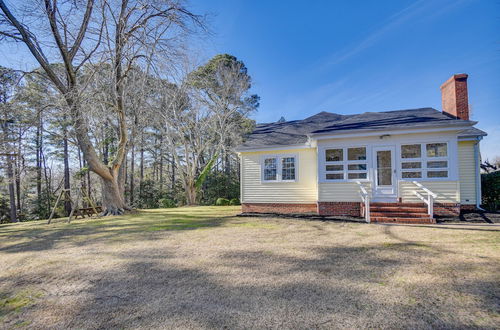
[421, 8]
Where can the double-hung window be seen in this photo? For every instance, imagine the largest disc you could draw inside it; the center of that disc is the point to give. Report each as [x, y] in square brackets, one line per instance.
[345, 164]
[424, 161]
[279, 168]
[270, 169]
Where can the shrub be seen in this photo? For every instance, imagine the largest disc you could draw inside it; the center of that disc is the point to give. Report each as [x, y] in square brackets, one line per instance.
[220, 184]
[234, 201]
[222, 202]
[490, 187]
[166, 203]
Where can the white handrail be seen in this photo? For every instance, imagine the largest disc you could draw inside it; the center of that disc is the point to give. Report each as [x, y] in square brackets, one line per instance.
[365, 197]
[418, 184]
[419, 196]
[429, 200]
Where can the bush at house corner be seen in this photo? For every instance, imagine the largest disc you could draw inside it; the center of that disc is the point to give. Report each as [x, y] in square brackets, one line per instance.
[490, 188]
[222, 202]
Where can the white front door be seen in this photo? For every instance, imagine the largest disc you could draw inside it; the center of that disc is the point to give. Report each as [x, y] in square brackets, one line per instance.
[385, 181]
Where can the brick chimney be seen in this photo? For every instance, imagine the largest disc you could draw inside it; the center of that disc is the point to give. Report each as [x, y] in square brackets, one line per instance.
[454, 96]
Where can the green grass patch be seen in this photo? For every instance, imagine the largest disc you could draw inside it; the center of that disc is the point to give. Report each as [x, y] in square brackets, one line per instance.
[116, 228]
[13, 303]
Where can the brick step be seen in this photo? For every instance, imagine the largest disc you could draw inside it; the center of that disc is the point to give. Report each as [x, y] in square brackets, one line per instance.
[398, 204]
[398, 209]
[399, 214]
[402, 220]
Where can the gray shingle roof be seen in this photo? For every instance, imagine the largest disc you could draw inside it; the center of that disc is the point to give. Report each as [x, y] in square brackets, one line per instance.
[296, 132]
[471, 131]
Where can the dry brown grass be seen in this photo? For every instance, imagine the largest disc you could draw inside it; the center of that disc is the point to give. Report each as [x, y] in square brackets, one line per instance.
[204, 268]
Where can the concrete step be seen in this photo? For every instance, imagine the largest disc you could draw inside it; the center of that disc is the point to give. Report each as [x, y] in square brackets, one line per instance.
[426, 220]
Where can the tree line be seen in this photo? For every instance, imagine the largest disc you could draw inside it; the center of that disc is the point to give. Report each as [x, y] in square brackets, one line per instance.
[118, 109]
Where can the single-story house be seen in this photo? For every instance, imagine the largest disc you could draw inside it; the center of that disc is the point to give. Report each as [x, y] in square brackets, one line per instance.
[391, 166]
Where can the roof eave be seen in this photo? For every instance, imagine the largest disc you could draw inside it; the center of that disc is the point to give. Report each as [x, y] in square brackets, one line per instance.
[454, 126]
[273, 147]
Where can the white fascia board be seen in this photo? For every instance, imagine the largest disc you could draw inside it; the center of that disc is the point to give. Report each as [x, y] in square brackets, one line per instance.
[363, 133]
[470, 138]
[276, 148]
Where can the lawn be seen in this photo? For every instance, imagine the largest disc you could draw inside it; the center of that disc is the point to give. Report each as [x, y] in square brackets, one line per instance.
[204, 267]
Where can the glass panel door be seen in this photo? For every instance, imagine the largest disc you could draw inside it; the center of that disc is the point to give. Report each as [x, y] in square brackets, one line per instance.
[385, 183]
[384, 168]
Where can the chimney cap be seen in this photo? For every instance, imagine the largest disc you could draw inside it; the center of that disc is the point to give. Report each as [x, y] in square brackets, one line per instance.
[458, 76]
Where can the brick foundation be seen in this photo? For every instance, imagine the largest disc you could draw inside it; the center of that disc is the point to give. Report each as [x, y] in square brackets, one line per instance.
[447, 209]
[467, 207]
[282, 208]
[340, 208]
[354, 209]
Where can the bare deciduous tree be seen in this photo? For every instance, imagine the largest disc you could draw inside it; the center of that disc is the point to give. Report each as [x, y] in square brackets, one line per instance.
[122, 33]
[203, 115]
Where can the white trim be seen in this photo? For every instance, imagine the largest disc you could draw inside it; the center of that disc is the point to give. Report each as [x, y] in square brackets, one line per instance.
[378, 191]
[322, 172]
[366, 133]
[423, 160]
[278, 158]
[470, 138]
[477, 160]
[242, 198]
[452, 157]
[275, 148]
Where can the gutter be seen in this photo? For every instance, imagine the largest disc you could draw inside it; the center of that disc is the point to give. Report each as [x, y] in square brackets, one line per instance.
[375, 132]
[305, 145]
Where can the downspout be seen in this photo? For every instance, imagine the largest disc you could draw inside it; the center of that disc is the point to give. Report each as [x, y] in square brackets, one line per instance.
[478, 174]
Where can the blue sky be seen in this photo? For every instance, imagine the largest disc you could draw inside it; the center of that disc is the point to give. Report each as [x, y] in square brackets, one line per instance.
[355, 56]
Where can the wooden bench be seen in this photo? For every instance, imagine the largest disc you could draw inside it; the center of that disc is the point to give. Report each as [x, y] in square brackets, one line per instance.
[87, 211]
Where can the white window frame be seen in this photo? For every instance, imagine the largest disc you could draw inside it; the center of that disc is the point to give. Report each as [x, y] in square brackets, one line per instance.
[345, 163]
[423, 160]
[279, 167]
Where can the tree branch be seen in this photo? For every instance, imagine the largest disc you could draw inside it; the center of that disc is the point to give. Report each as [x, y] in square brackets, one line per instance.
[33, 47]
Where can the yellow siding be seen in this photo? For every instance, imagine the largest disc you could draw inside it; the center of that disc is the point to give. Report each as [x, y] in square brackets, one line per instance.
[447, 191]
[340, 191]
[304, 190]
[467, 172]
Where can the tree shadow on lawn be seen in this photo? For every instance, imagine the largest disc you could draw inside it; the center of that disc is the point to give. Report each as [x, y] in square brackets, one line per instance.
[45, 237]
[450, 226]
[333, 287]
[329, 290]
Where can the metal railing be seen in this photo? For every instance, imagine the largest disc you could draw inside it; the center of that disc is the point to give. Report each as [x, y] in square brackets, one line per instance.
[429, 200]
[365, 197]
